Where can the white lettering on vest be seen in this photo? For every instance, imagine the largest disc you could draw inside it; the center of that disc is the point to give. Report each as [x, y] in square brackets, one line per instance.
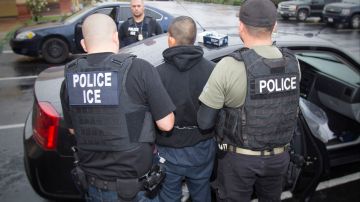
[287, 86]
[75, 79]
[262, 85]
[277, 85]
[92, 80]
[97, 93]
[108, 79]
[99, 79]
[293, 82]
[82, 80]
[89, 99]
[88, 81]
[271, 89]
[92, 96]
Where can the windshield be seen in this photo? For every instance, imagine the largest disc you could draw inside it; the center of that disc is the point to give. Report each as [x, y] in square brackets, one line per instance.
[75, 16]
[351, 1]
[331, 65]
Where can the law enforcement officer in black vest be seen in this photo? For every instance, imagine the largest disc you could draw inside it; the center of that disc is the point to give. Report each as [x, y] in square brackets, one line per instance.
[138, 27]
[110, 103]
[252, 100]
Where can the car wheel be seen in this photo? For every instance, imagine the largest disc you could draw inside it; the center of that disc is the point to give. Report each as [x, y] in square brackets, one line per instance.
[355, 21]
[55, 50]
[302, 15]
[284, 17]
[339, 25]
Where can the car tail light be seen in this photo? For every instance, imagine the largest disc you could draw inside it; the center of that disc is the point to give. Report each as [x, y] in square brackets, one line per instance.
[45, 125]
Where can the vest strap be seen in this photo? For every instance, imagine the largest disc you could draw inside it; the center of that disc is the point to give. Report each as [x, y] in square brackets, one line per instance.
[239, 150]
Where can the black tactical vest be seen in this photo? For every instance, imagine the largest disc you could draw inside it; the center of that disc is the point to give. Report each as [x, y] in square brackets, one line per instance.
[268, 117]
[146, 29]
[103, 115]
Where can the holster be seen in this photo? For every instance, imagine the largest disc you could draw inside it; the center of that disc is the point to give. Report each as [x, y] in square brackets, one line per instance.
[79, 179]
[152, 180]
[127, 189]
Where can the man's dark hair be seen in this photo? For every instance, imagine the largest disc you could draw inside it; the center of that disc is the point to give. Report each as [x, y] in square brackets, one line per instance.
[183, 29]
[259, 31]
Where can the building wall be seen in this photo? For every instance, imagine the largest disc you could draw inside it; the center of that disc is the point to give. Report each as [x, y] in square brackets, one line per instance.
[22, 10]
[18, 8]
[8, 8]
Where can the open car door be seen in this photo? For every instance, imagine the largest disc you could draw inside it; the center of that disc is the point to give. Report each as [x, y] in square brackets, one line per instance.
[331, 82]
[308, 162]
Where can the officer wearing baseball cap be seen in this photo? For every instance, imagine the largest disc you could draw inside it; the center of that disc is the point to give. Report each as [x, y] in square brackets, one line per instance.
[251, 98]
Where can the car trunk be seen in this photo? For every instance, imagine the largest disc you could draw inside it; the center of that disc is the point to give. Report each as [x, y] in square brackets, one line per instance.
[47, 89]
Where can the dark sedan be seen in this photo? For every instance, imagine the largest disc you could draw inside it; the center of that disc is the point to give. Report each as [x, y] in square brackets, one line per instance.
[54, 41]
[330, 81]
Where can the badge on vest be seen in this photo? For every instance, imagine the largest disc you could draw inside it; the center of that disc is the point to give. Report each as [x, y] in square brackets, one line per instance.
[275, 84]
[93, 88]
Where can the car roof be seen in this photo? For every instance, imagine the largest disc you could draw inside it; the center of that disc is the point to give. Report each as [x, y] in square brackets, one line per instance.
[104, 4]
[145, 49]
[151, 50]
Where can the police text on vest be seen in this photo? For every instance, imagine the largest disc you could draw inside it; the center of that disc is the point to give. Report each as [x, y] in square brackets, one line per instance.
[276, 84]
[92, 80]
[92, 87]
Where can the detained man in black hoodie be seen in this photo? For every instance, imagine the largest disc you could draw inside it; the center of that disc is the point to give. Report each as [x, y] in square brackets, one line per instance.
[185, 152]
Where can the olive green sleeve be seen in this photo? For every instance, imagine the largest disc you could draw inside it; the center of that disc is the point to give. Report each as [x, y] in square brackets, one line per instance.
[226, 85]
[213, 92]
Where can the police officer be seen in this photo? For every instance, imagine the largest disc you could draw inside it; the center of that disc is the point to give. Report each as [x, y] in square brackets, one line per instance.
[255, 93]
[139, 26]
[185, 152]
[109, 102]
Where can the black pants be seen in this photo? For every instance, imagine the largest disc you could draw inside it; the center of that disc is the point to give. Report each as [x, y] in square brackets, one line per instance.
[239, 175]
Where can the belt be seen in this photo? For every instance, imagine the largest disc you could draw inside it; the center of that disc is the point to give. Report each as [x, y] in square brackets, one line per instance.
[102, 184]
[270, 152]
[185, 127]
[112, 185]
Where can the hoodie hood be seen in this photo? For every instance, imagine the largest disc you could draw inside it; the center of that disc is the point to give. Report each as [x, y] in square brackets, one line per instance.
[183, 57]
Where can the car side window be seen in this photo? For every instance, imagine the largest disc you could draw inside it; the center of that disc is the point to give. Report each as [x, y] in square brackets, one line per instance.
[317, 2]
[125, 13]
[111, 11]
[153, 14]
[331, 65]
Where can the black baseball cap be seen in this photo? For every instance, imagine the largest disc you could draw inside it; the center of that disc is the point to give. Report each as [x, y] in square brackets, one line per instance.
[258, 13]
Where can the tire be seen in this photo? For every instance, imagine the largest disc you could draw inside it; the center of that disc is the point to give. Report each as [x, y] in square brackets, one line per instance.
[339, 26]
[355, 21]
[55, 50]
[302, 15]
[284, 17]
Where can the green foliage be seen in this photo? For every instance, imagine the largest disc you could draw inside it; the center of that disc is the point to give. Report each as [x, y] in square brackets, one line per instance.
[36, 7]
[88, 2]
[6, 39]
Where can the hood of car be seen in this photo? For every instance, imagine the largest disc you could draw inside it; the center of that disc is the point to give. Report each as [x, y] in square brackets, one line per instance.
[289, 3]
[341, 5]
[41, 26]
